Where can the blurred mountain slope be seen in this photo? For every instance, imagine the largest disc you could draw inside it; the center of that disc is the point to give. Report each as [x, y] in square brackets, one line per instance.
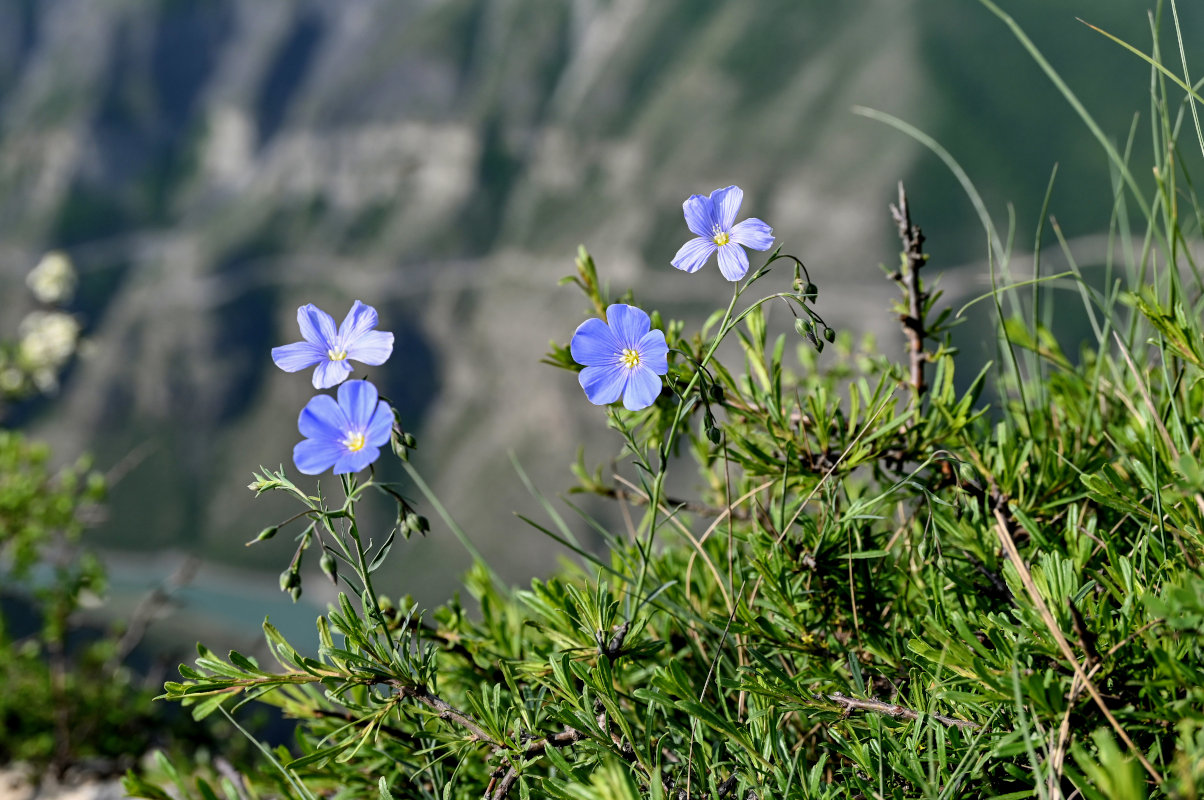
[211, 166]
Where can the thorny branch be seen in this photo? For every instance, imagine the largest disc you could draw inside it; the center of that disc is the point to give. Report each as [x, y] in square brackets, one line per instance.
[913, 291]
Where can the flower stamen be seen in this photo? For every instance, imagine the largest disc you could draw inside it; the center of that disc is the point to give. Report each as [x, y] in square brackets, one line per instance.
[336, 354]
[721, 236]
[630, 358]
[354, 442]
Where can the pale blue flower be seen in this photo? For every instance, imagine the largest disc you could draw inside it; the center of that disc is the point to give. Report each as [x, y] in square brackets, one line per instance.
[346, 435]
[333, 350]
[624, 358]
[711, 220]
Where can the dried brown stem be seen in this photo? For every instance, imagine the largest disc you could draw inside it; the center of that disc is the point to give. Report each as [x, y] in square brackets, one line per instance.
[1003, 528]
[851, 704]
[500, 789]
[913, 290]
[447, 712]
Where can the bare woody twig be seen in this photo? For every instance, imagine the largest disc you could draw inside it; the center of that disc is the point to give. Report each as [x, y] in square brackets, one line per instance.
[569, 736]
[913, 291]
[850, 704]
[509, 773]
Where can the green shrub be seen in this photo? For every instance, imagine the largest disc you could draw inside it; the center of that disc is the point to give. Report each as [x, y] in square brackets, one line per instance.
[888, 581]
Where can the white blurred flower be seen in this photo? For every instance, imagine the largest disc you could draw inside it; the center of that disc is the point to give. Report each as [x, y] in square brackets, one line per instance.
[48, 338]
[47, 380]
[53, 279]
[11, 379]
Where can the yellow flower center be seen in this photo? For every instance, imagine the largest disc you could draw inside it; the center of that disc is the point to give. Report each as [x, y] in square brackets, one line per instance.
[336, 355]
[354, 442]
[630, 358]
[721, 238]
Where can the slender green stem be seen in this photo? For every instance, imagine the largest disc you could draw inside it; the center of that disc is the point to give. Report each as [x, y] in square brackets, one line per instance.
[361, 563]
[657, 492]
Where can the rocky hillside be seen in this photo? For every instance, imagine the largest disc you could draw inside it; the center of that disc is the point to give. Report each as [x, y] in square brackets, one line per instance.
[212, 165]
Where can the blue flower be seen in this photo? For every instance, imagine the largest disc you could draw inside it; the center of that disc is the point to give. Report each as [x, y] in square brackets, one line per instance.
[622, 359]
[346, 435]
[711, 220]
[331, 350]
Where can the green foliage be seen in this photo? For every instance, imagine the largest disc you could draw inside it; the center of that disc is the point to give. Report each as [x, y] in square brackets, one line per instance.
[69, 695]
[885, 582]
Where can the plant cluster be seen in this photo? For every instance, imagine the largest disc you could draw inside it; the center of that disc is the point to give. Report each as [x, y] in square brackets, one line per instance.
[70, 698]
[882, 588]
[887, 580]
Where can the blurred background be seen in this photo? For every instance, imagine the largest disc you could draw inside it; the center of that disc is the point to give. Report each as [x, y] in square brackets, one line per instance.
[210, 166]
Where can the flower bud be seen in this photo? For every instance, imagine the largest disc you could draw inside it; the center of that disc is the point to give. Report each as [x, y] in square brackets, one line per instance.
[819, 346]
[330, 568]
[717, 393]
[264, 535]
[714, 434]
[399, 449]
[829, 334]
[296, 592]
[802, 326]
[289, 579]
[811, 290]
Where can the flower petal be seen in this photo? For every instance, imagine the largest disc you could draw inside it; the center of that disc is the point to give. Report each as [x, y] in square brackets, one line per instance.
[373, 348]
[317, 327]
[313, 456]
[727, 204]
[297, 356]
[380, 427]
[654, 352]
[359, 320]
[628, 323]
[355, 460]
[594, 344]
[733, 261]
[358, 401]
[643, 387]
[700, 215]
[331, 373]
[694, 254]
[753, 233]
[603, 385]
[322, 419]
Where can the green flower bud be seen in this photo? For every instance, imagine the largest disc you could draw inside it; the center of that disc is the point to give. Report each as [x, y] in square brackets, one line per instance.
[399, 449]
[811, 290]
[296, 592]
[267, 533]
[802, 326]
[330, 567]
[829, 334]
[289, 579]
[717, 393]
